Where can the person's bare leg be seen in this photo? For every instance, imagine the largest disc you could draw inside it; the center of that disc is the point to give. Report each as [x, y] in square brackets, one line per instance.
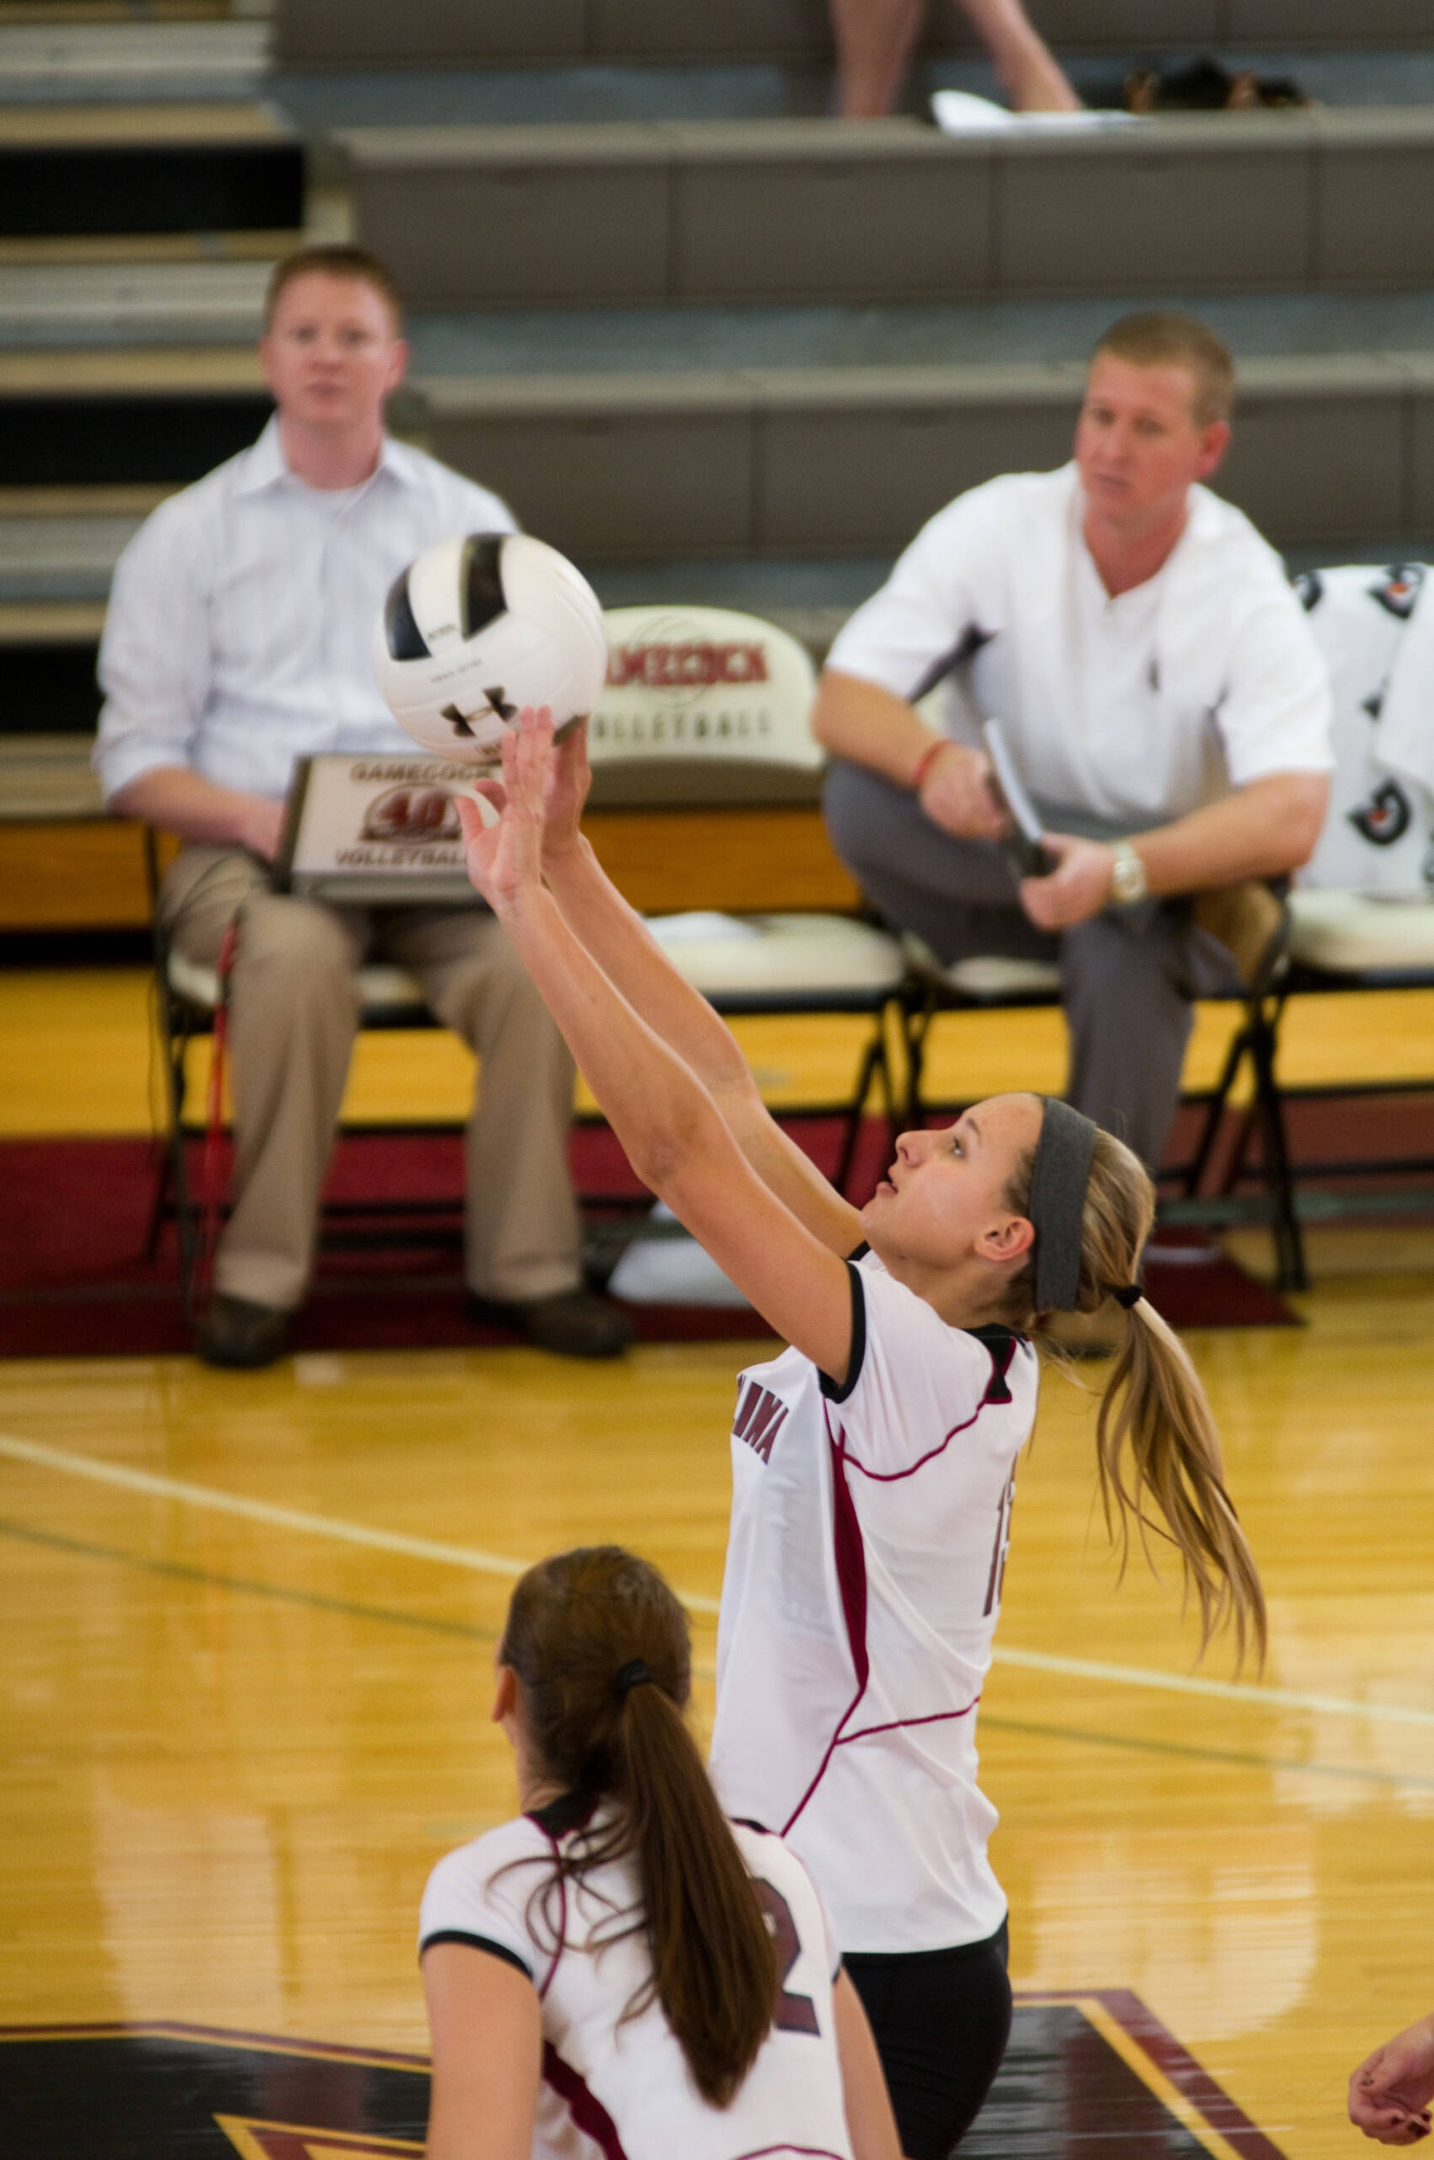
[1028, 70]
[873, 42]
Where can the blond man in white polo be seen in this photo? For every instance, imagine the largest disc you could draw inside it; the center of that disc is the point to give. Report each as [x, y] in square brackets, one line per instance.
[1161, 693]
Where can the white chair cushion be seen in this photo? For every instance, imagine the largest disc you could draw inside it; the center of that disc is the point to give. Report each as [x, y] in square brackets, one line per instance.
[772, 955]
[992, 975]
[985, 975]
[1349, 932]
[385, 988]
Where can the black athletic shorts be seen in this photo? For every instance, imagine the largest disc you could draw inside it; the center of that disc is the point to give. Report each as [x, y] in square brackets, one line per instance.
[941, 2020]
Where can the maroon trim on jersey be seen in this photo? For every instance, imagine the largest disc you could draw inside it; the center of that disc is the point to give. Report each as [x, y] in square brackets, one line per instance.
[1001, 1351]
[587, 2111]
[934, 1717]
[850, 1556]
[809, 2152]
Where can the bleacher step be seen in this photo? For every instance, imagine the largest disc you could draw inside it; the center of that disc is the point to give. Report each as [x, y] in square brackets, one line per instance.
[136, 303]
[318, 101]
[107, 61]
[423, 33]
[693, 212]
[130, 169]
[1330, 450]
[130, 417]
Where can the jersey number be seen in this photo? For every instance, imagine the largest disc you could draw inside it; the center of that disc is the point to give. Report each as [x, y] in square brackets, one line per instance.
[795, 2013]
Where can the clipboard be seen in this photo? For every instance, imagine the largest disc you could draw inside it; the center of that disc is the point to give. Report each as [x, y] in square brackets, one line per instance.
[375, 830]
[1025, 844]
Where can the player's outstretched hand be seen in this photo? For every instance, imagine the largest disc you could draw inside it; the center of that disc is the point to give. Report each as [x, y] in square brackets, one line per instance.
[504, 857]
[1077, 888]
[1390, 2092]
[569, 778]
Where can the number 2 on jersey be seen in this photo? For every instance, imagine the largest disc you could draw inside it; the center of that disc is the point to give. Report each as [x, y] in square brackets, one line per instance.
[794, 2013]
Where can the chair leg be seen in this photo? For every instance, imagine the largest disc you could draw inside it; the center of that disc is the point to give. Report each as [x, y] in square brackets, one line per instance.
[185, 1218]
[160, 1204]
[873, 1059]
[917, 1030]
[1291, 1272]
[1210, 1133]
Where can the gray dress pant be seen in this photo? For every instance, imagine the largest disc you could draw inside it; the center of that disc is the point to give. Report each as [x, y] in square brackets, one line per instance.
[294, 1010]
[1128, 976]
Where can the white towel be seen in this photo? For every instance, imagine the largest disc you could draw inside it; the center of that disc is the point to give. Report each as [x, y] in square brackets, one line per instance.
[1406, 717]
[671, 1271]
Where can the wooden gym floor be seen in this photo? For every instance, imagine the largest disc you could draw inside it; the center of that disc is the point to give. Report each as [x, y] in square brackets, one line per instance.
[249, 1622]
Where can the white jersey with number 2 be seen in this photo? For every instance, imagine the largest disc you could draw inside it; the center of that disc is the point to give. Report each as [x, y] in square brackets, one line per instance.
[621, 2090]
[864, 1564]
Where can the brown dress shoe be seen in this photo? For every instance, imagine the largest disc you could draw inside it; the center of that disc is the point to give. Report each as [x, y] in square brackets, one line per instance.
[574, 1323]
[238, 1333]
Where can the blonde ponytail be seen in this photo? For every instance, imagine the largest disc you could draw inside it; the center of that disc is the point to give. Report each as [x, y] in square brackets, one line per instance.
[1155, 1433]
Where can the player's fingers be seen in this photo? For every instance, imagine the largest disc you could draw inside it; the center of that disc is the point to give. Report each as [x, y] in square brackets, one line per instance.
[492, 791]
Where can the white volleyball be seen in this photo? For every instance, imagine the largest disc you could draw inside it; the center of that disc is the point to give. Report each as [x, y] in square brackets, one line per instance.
[480, 626]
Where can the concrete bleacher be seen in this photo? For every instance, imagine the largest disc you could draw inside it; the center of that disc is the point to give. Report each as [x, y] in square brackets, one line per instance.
[373, 33]
[687, 212]
[711, 343]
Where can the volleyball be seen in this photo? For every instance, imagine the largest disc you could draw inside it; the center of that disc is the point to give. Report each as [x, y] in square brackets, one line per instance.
[480, 626]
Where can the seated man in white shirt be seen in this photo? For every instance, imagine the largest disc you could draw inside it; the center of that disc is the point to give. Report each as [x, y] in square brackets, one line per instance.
[239, 638]
[1160, 691]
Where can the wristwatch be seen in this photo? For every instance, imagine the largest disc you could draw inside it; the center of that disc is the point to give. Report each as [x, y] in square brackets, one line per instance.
[1127, 875]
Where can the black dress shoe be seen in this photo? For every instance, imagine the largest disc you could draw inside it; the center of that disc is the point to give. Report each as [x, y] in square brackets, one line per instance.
[575, 1323]
[239, 1333]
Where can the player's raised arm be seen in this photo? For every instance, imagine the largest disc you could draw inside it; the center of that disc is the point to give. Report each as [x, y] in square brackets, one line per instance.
[623, 947]
[675, 1137]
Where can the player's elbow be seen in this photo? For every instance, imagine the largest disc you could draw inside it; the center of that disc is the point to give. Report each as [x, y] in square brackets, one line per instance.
[676, 1141]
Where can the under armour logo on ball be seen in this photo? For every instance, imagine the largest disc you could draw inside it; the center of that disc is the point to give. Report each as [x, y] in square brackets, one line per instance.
[462, 722]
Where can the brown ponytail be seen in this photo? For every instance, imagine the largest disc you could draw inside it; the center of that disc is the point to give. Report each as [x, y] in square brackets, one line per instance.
[1155, 1433]
[576, 1623]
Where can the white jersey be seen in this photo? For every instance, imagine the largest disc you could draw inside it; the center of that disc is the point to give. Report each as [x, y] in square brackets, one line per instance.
[864, 1565]
[622, 2091]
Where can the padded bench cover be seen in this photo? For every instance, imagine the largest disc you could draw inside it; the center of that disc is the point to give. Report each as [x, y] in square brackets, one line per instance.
[381, 989]
[1350, 933]
[774, 955]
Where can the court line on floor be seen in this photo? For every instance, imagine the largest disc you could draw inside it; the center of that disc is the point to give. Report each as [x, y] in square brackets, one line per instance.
[246, 1585]
[1240, 1758]
[215, 1499]
[476, 1561]
[391, 1616]
[251, 1586]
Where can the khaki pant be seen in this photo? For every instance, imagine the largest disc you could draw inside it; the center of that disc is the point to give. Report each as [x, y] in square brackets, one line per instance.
[294, 1012]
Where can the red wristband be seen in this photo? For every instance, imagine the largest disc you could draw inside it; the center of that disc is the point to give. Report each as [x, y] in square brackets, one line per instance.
[927, 759]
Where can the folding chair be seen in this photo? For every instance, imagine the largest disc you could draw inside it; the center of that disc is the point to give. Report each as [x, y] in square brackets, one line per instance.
[189, 998]
[710, 707]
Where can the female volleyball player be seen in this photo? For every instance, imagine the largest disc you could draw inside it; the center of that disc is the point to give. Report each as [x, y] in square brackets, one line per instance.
[872, 1461]
[621, 1970]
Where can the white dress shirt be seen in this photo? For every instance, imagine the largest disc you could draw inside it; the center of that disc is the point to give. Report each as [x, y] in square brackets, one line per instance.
[1136, 709]
[241, 617]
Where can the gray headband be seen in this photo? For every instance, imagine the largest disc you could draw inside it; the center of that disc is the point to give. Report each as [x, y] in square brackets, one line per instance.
[1059, 1177]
